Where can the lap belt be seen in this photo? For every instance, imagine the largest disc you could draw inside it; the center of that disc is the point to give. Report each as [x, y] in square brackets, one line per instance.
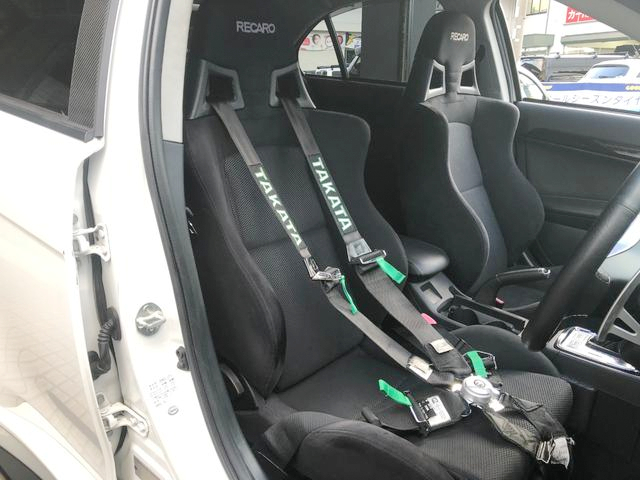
[330, 277]
[427, 409]
[374, 271]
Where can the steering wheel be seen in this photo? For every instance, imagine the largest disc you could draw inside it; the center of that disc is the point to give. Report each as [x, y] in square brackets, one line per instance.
[584, 263]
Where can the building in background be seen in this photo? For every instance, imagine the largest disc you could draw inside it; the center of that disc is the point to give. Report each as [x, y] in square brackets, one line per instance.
[545, 27]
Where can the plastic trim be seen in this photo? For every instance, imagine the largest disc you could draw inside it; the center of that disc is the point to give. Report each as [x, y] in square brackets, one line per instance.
[46, 118]
[200, 106]
[304, 100]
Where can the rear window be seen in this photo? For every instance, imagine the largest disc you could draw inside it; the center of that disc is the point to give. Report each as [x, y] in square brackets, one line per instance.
[606, 71]
[370, 40]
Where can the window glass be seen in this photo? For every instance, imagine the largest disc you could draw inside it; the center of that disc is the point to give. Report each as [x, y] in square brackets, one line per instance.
[317, 55]
[376, 39]
[538, 6]
[598, 72]
[531, 88]
[577, 58]
[348, 25]
[37, 45]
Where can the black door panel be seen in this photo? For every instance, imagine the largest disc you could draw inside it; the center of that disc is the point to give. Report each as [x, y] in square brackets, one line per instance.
[377, 104]
[576, 158]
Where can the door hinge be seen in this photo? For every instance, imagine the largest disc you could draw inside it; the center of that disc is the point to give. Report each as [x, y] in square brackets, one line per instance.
[92, 241]
[116, 415]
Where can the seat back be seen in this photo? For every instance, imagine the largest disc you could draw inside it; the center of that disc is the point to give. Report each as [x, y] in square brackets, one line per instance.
[268, 319]
[460, 187]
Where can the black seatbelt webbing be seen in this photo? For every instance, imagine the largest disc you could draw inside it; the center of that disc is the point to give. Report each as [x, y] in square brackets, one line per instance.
[549, 443]
[378, 281]
[330, 277]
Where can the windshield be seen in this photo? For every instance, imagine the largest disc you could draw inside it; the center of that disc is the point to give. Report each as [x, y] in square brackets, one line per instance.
[606, 71]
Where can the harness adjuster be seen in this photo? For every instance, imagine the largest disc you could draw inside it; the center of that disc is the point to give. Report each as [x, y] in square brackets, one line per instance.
[546, 449]
[359, 252]
[488, 360]
[330, 275]
[367, 258]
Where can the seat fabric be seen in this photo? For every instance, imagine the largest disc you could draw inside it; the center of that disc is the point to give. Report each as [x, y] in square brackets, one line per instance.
[323, 365]
[459, 186]
[269, 322]
[471, 446]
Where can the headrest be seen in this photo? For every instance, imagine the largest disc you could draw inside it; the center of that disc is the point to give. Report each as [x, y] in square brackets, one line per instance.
[448, 47]
[246, 42]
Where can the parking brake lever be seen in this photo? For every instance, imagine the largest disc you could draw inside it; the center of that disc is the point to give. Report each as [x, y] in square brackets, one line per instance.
[489, 290]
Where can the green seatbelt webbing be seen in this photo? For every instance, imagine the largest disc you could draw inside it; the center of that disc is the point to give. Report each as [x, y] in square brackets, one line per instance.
[393, 393]
[477, 363]
[378, 281]
[329, 277]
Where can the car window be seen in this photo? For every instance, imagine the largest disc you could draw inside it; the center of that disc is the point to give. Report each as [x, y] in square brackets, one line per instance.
[530, 89]
[37, 46]
[578, 59]
[606, 71]
[375, 40]
[317, 55]
[537, 6]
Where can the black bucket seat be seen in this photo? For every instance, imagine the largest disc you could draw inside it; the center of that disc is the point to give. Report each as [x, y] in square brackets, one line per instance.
[271, 324]
[459, 185]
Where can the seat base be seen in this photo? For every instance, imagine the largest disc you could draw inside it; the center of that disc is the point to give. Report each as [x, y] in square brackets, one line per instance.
[471, 448]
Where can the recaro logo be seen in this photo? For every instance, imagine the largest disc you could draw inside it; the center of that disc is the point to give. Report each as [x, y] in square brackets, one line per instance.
[459, 36]
[255, 27]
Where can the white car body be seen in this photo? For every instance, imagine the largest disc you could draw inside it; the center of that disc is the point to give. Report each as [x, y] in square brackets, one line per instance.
[52, 412]
[617, 71]
[49, 414]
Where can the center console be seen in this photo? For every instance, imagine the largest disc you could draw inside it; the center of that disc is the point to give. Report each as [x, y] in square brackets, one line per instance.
[604, 385]
[436, 295]
[581, 343]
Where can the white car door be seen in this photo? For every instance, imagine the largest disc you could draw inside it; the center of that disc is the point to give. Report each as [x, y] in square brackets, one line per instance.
[51, 103]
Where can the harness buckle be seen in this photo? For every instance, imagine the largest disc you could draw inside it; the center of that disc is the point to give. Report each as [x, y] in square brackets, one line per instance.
[479, 391]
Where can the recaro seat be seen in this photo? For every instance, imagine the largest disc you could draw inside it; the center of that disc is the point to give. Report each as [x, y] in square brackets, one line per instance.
[271, 323]
[459, 186]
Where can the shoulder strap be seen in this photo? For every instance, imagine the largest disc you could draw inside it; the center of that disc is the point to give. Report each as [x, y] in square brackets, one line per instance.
[377, 275]
[330, 277]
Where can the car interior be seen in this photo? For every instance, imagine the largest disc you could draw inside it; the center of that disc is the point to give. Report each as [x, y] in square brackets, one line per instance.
[495, 253]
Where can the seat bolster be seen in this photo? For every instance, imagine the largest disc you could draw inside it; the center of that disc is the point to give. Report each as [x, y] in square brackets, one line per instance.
[329, 448]
[427, 186]
[244, 314]
[515, 201]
